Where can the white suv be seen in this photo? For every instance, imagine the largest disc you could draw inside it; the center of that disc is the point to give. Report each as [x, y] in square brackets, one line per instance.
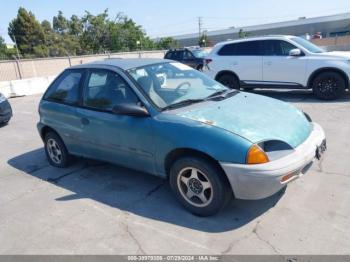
[279, 62]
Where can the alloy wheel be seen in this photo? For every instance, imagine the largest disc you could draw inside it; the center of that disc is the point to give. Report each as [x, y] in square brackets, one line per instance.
[54, 151]
[195, 187]
[328, 86]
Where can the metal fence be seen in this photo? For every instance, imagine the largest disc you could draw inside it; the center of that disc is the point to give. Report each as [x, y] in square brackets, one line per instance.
[29, 68]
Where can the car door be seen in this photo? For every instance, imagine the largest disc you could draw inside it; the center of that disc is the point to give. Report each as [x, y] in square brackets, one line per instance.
[178, 56]
[120, 139]
[189, 59]
[243, 58]
[281, 68]
[58, 109]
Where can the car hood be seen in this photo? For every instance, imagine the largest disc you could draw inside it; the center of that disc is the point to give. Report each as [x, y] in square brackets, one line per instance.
[254, 117]
[336, 54]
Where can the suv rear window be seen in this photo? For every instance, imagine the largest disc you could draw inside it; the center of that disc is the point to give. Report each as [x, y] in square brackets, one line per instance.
[246, 48]
[168, 55]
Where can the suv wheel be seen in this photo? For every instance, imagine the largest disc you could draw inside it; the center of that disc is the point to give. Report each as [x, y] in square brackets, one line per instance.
[199, 67]
[56, 151]
[229, 80]
[200, 186]
[329, 85]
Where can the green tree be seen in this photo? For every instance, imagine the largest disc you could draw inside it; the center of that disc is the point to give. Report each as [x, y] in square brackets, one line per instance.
[95, 37]
[167, 43]
[75, 26]
[3, 49]
[46, 26]
[242, 34]
[80, 35]
[60, 23]
[27, 32]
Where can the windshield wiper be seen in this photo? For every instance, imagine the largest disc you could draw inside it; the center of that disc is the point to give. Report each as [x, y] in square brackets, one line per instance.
[183, 103]
[222, 92]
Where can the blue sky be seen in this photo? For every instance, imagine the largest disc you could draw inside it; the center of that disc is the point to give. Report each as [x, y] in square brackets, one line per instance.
[163, 17]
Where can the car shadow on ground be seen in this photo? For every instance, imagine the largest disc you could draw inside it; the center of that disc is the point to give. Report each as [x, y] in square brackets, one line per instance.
[297, 96]
[132, 191]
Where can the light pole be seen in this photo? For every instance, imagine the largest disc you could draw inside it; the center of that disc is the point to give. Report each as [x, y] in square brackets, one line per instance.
[14, 38]
[18, 58]
[139, 44]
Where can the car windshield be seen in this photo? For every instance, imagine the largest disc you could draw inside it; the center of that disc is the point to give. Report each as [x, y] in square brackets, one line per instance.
[307, 45]
[167, 84]
[199, 53]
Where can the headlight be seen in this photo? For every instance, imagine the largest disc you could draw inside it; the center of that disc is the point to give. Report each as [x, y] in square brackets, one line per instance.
[2, 98]
[256, 155]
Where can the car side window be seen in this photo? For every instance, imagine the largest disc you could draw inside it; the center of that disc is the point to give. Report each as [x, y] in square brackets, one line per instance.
[187, 55]
[277, 48]
[66, 88]
[105, 89]
[227, 50]
[178, 55]
[246, 48]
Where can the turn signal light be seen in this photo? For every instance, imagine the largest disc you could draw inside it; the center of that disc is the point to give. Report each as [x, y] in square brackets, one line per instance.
[287, 177]
[256, 155]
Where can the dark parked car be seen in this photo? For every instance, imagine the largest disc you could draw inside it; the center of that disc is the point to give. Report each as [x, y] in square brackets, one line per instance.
[5, 110]
[191, 56]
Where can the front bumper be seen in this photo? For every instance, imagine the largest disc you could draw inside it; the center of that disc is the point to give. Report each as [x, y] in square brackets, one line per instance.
[263, 180]
[5, 111]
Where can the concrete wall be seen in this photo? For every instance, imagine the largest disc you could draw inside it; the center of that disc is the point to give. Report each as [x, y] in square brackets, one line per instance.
[33, 76]
[29, 68]
[24, 87]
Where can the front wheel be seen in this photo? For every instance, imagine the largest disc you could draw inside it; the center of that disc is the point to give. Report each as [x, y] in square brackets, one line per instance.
[229, 80]
[200, 186]
[329, 86]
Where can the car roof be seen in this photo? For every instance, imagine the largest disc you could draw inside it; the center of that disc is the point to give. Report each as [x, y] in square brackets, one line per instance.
[124, 64]
[190, 48]
[255, 38]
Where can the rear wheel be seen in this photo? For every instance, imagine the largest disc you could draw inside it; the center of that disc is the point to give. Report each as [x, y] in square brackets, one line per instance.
[199, 185]
[329, 85]
[229, 80]
[56, 151]
[199, 67]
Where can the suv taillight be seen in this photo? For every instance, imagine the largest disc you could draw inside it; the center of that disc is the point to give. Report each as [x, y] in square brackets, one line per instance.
[207, 60]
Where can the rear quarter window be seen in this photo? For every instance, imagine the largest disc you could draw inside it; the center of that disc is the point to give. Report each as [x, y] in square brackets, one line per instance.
[168, 55]
[65, 89]
[246, 48]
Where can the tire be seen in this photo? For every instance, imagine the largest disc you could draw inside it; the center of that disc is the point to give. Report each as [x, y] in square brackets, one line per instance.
[4, 123]
[329, 85]
[229, 80]
[56, 151]
[199, 67]
[210, 189]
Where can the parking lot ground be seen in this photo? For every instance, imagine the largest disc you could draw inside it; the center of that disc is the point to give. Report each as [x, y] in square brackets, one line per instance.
[98, 208]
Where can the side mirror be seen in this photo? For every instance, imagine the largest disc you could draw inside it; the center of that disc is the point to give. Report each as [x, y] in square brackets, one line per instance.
[295, 52]
[130, 110]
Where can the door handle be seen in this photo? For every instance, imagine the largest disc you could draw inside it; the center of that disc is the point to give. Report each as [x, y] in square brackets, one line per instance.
[85, 121]
[269, 63]
[235, 63]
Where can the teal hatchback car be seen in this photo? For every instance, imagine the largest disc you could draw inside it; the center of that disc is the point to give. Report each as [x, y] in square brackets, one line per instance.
[167, 119]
